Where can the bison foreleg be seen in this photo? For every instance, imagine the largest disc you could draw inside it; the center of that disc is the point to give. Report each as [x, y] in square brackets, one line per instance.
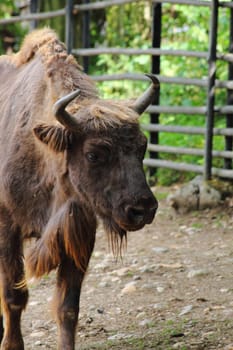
[14, 293]
[69, 281]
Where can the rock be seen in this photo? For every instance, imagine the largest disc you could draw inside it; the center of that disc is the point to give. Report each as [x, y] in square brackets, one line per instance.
[137, 278]
[104, 284]
[37, 334]
[38, 342]
[97, 254]
[197, 273]
[146, 269]
[171, 266]
[100, 310]
[158, 306]
[119, 336]
[186, 310]
[115, 279]
[129, 288]
[189, 230]
[179, 345]
[145, 322]
[141, 314]
[160, 249]
[160, 289]
[121, 272]
[33, 303]
[116, 336]
[135, 261]
[104, 264]
[89, 320]
[150, 285]
[195, 195]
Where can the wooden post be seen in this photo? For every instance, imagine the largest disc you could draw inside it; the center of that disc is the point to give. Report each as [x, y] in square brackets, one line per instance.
[229, 117]
[156, 42]
[211, 89]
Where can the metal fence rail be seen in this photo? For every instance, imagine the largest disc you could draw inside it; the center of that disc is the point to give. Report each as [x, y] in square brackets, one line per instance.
[156, 51]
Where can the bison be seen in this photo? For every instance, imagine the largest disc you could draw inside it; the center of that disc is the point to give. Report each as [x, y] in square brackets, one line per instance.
[67, 158]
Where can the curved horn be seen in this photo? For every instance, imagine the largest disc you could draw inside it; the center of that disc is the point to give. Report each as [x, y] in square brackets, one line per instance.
[145, 99]
[60, 113]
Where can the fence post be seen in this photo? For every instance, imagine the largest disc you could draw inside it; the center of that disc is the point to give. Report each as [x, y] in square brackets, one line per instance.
[229, 117]
[34, 8]
[156, 42]
[86, 36]
[69, 26]
[211, 90]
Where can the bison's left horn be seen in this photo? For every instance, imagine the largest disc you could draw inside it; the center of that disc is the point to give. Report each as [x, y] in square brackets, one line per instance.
[60, 113]
[149, 95]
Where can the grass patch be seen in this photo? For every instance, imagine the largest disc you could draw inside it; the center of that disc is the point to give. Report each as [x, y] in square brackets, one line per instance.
[161, 195]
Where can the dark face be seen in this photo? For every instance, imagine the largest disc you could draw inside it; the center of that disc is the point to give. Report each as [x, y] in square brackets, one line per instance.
[106, 169]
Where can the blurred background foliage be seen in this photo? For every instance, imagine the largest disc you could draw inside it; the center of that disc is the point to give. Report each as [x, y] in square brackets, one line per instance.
[129, 26]
[12, 34]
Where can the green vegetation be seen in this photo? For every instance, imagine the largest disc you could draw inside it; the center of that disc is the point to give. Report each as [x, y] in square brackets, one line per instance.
[184, 28]
[11, 34]
[129, 26]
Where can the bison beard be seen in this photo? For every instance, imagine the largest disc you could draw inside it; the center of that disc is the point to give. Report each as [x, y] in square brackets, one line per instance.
[116, 235]
[66, 157]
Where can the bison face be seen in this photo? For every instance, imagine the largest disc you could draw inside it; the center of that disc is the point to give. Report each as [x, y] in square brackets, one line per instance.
[105, 150]
[106, 170]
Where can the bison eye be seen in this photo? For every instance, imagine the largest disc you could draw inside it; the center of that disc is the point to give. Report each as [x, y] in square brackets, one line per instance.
[92, 157]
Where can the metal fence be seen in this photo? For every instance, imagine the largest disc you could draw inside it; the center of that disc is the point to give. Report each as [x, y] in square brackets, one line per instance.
[210, 83]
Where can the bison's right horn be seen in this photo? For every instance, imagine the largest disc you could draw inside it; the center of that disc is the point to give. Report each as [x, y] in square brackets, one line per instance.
[60, 113]
[146, 99]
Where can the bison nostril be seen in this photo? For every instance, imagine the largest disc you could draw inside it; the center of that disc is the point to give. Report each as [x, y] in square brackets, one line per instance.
[135, 214]
[137, 211]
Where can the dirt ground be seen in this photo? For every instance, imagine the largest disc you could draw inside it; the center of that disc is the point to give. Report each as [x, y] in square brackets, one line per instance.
[172, 290]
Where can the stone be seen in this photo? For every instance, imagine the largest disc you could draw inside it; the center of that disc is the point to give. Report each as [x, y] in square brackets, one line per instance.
[195, 195]
[160, 289]
[119, 336]
[146, 269]
[121, 272]
[186, 310]
[38, 342]
[179, 345]
[104, 284]
[160, 249]
[137, 278]
[141, 314]
[197, 273]
[145, 322]
[129, 288]
[100, 310]
[37, 334]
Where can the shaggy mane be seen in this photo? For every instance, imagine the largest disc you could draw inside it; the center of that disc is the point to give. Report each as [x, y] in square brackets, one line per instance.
[103, 114]
[38, 41]
[63, 69]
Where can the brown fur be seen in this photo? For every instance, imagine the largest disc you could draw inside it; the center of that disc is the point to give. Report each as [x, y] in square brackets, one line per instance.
[68, 232]
[57, 181]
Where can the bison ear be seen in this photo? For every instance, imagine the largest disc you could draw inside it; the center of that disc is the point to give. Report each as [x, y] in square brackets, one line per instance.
[57, 138]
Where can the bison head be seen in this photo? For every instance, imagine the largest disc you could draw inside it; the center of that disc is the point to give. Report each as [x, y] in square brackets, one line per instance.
[105, 149]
